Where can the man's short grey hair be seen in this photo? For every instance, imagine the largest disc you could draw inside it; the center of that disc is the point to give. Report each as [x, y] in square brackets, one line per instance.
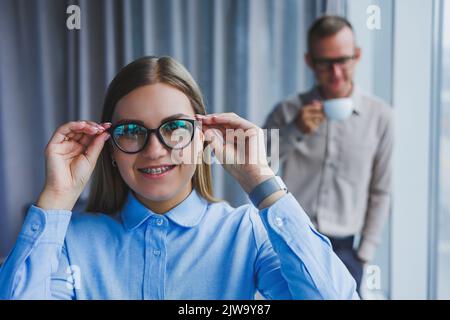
[326, 26]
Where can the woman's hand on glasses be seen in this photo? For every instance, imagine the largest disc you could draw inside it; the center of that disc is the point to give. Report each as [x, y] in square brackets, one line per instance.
[70, 157]
[246, 162]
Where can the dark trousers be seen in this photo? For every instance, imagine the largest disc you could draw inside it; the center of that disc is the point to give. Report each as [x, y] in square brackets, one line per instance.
[343, 247]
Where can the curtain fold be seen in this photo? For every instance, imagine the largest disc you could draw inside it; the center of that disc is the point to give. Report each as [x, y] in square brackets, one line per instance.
[245, 54]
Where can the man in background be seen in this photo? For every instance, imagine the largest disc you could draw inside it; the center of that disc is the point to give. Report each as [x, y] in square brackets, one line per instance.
[339, 170]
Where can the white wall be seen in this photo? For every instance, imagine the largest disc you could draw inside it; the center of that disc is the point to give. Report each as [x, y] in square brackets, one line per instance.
[411, 97]
[405, 57]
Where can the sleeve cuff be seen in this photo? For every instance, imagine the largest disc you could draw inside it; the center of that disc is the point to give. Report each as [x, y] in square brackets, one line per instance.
[46, 225]
[366, 251]
[287, 218]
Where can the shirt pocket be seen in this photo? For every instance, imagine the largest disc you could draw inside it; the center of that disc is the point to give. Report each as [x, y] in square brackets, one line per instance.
[355, 160]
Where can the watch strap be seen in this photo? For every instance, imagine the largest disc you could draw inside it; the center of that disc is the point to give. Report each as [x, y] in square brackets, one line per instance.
[265, 189]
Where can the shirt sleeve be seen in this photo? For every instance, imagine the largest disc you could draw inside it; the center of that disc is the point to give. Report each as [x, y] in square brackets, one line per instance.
[36, 267]
[296, 261]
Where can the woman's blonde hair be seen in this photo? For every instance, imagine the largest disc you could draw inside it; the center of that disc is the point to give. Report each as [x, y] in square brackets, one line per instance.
[108, 190]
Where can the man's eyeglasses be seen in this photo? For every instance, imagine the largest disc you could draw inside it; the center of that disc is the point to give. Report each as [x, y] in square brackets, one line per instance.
[326, 64]
[131, 137]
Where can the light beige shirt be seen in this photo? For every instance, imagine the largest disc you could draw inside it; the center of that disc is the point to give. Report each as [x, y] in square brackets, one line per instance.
[341, 173]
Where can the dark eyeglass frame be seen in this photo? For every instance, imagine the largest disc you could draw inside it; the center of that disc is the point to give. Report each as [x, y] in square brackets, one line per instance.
[149, 133]
[327, 63]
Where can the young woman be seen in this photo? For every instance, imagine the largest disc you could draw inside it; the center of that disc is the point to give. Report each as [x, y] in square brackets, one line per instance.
[153, 229]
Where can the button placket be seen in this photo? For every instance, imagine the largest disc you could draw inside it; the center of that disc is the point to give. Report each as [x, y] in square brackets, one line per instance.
[155, 246]
[328, 170]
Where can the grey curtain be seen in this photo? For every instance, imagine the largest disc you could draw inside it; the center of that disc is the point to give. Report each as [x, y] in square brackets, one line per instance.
[245, 54]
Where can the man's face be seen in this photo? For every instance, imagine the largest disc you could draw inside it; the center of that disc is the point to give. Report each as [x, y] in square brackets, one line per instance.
[333, 60]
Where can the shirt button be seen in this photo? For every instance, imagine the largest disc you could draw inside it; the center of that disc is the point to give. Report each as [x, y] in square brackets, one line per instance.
[35, 227]
[159, 222]
[156, 252]
[279, 221]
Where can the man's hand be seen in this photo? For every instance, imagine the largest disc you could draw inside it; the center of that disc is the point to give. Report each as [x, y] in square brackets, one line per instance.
[310, 117]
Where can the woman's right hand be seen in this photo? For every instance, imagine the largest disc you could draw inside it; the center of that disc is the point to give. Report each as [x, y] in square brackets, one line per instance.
[70, 158]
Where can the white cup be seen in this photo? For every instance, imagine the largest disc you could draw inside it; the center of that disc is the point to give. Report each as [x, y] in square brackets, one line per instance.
[338, 109]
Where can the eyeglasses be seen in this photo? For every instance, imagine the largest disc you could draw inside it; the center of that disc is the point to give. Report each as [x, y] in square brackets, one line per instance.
[131, 137]
[325, 64]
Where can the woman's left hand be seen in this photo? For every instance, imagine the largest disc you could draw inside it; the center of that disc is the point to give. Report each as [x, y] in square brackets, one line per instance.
[239, 146]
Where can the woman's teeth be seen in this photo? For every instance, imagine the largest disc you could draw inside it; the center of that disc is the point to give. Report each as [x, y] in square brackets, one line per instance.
[158, 170]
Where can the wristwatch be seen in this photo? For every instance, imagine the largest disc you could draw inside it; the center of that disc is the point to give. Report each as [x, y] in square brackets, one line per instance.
[265, 189]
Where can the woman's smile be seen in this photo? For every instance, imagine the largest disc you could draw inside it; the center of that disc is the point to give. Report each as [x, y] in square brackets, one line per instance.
[156, 172]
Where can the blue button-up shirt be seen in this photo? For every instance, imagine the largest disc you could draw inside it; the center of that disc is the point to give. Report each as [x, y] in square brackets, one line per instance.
[197, 250]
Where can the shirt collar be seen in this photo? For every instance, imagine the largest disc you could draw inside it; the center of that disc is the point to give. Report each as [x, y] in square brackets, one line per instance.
[355, 95]
[187, 214]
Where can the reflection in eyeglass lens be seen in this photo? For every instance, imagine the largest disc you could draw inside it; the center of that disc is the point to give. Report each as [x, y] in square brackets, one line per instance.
[177, 133]
[130, 137]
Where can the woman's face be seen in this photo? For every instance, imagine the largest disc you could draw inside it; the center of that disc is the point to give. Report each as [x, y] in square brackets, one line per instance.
[152, 105]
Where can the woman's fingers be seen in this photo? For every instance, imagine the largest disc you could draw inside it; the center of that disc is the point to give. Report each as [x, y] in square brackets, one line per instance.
[230, 119]
[68, 149]
[72, 137]
[95, 147]
[87, 139]
[77, 129]
[241, 151]
[91, 151]
[220, 128]
[223, 122]
[63, 133]
[216, 142]
[79, 135]
[245, 146]
[95, 124]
